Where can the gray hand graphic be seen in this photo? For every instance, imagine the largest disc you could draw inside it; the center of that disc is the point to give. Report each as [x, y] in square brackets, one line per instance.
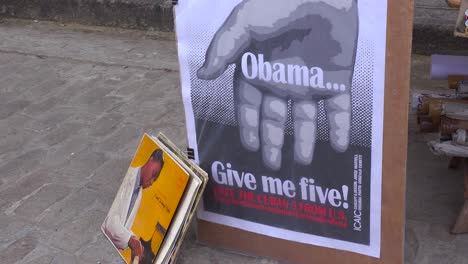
[303, 50]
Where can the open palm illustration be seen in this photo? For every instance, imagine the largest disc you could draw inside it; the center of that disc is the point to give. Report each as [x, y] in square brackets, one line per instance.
[298, 50]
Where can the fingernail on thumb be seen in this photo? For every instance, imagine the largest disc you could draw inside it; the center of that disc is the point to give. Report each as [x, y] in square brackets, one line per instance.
[211, 69]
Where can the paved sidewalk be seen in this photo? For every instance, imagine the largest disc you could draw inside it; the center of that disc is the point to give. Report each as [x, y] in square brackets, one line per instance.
[74, 102]
[73, 106]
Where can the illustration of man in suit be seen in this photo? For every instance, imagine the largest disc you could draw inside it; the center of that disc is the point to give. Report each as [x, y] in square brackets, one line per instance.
[118, 223]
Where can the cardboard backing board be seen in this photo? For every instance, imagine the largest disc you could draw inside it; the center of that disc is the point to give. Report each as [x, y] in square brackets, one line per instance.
[397, 76]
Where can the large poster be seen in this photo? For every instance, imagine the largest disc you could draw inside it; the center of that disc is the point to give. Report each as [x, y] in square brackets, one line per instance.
[284, 109]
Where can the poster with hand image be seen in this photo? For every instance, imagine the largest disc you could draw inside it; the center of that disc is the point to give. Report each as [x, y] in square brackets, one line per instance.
[284, 109]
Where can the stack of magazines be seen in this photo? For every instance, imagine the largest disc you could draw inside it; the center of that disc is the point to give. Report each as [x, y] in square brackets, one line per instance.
[154, 205]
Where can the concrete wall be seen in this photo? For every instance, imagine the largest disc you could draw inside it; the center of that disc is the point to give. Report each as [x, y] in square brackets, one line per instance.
[135, 14]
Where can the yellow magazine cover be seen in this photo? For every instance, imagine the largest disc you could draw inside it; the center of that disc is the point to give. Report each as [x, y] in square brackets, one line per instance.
[145, 203]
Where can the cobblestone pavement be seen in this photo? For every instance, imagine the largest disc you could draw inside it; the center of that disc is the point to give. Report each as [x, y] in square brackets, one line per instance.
[73, 106]
[74, 103]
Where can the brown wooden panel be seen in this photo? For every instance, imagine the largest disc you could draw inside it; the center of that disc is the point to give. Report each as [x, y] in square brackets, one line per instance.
[398, 61]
